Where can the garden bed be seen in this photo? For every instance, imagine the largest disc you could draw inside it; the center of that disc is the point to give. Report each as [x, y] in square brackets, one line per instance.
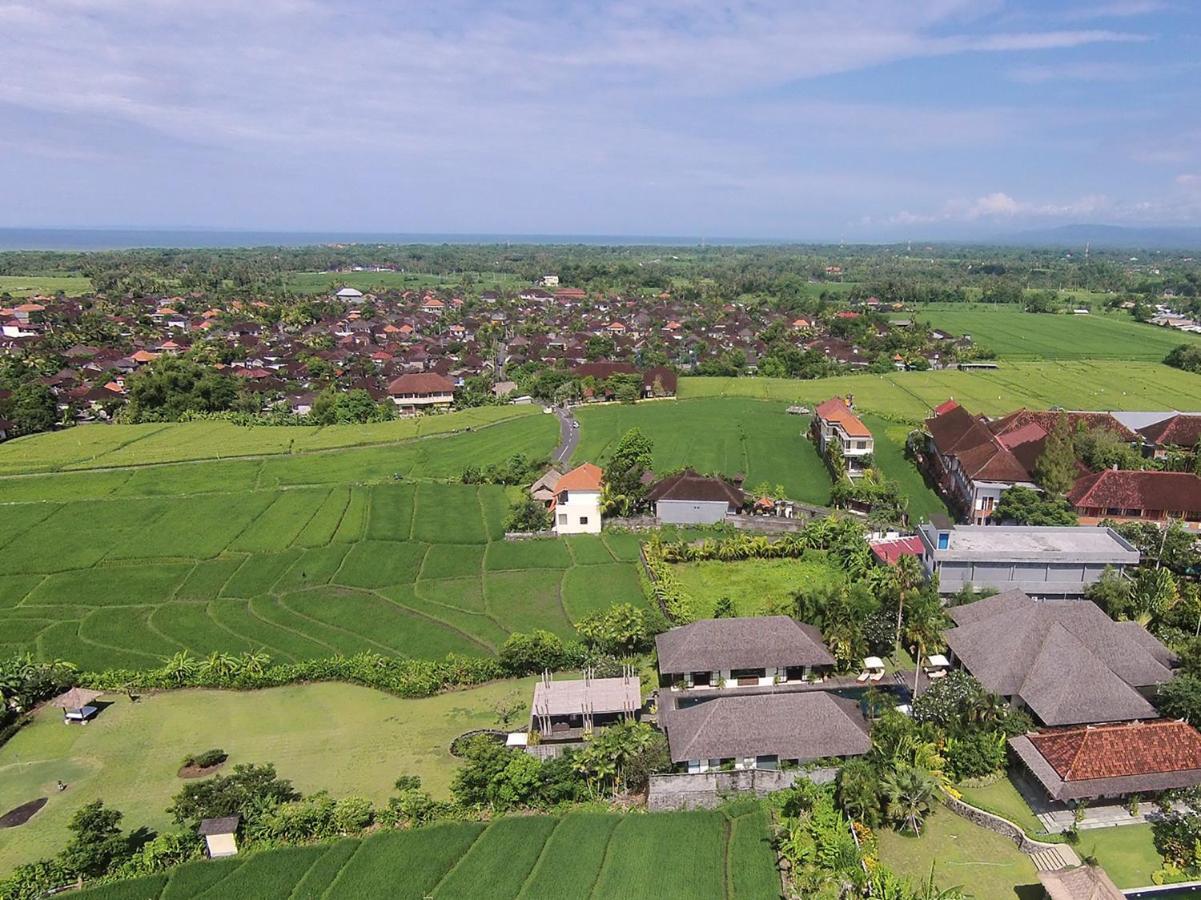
[21, 814]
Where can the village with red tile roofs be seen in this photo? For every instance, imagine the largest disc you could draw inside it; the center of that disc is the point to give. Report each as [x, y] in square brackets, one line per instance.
[840, 567]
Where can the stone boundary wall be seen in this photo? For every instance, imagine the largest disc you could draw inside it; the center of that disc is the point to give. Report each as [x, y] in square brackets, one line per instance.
[529, 535]
[996, 824]
[707, 790]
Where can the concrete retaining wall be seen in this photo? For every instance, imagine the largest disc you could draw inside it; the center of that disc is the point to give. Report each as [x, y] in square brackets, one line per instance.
[709, 789]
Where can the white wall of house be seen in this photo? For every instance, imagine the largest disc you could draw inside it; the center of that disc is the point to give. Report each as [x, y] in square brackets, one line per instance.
[220, 845]
[578, 512]
[726, 679]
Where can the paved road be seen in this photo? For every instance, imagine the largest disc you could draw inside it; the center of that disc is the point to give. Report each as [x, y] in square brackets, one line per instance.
[569, 437]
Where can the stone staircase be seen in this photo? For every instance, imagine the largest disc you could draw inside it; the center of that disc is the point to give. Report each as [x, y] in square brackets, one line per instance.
[1054, 856]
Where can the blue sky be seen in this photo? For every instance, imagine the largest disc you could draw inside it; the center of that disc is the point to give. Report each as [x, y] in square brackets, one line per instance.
[855, 119]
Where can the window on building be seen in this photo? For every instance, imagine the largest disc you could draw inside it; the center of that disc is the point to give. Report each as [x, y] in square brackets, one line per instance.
[562, 518]
[583, 520]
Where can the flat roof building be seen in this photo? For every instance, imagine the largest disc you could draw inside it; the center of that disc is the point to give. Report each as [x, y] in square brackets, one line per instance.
[1040, 561]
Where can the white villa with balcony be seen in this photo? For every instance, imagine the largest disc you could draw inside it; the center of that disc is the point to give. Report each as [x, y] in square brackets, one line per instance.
[835, 423]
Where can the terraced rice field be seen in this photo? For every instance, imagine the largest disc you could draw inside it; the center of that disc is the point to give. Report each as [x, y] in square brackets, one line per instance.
[107, 446]
[909, 396]
[399, 568]
[573, 857]
[728, 436]
[1017, 335]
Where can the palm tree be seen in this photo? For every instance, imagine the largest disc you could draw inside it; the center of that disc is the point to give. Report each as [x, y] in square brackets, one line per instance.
[255, 662]
[909, 795]
[180, 667]
[907, 576]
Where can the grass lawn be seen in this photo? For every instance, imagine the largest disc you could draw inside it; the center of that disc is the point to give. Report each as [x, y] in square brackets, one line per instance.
[346, 739]
[1128, 853]
[987, 865]
[21, 286]
[1003, 799]
[890, 458]
[755, 585]
[714, 435]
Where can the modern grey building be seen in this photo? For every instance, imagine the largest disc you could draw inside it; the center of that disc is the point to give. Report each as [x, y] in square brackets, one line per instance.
[1040, 561]
[688, 498]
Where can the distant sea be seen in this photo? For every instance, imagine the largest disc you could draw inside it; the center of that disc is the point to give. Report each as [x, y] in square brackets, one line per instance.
[126, 239]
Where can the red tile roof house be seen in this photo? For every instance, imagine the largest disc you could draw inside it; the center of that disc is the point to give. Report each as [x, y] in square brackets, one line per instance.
[1117, 760]
[835, 424]
[1178, 431]
[1126, 496]
[422, 391]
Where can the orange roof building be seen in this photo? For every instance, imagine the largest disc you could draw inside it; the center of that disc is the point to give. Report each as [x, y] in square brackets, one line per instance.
[835, 425]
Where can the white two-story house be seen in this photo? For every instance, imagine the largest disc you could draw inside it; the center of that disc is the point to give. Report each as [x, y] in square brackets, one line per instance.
[834, 423]
[577, 503]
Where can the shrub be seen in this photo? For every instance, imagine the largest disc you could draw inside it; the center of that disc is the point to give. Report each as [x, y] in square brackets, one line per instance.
[975, 755]
[527, 514]
[205, 760]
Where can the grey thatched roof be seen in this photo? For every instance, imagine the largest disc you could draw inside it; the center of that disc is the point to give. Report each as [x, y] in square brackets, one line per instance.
[1066, 659]
[744, 643]
[596, 695]
[223, 825]
[1080, 883]
[804, 725]
[76, 698]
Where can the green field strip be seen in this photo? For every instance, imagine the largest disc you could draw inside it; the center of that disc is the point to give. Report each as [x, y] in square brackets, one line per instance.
[194, 878]
[354, 517]
[258, 573]
[346, 641]
[146, 887]
[329, 892]
[494, 506]
[63, 641]
[189, 624]
[527, 600]
[364, 615]
[208, 577]
[269, 610]
[314, 567]
[267, 875]
[751, 857]
[281, 522]
[390, 511]
[234, 616]
[537, 553]
[452, 561]
[127, 628]
[18, 520]
[52, 613]
[372, 564]
[478, 627]
[77, 464]
[15, 588]
[497, 865]
[581, 837]
[324, 524]
[324, 870]
[593, 589]
[23, 631]
[424, 855]
[640, 843]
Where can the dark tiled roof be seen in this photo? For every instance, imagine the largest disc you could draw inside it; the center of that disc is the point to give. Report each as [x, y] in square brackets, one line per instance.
[421, 383]
[743, 643]
[1067, 660]
[806, 725]
[690, 485]
[1125, 489]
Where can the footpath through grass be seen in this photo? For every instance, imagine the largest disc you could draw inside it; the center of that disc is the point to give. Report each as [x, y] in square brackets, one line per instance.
[347, 739]
[573, 857]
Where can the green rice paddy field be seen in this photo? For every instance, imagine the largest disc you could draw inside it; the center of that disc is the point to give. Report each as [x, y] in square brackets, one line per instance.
[572, 857]
[909, 396]
[21, 286]
[1016, 335]
[410, 569]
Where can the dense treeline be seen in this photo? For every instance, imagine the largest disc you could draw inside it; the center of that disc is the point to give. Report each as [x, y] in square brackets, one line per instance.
[781, 273]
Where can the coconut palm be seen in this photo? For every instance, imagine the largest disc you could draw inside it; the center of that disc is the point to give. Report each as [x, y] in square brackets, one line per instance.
[909, 794]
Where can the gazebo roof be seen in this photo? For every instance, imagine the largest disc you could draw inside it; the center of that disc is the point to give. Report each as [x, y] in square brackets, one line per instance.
[223, 825]
[76, 698]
